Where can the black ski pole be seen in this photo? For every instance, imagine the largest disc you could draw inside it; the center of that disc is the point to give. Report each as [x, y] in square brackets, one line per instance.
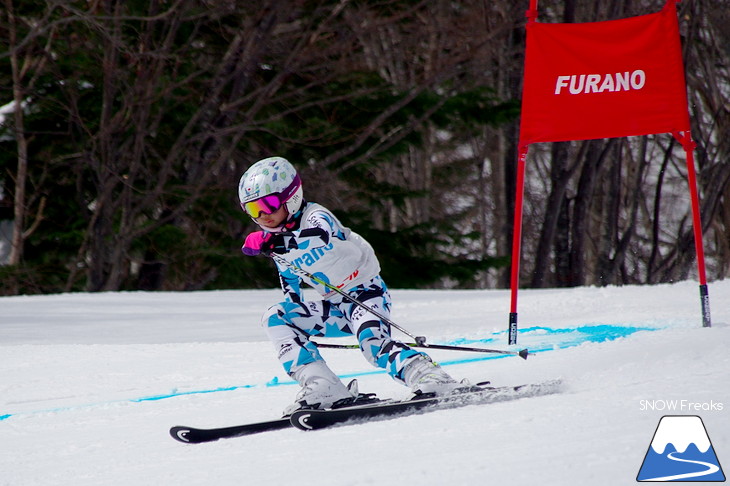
[523, 353]
[420, 340]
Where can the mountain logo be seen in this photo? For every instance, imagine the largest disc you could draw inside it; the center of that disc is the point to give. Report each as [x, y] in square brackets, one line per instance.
[681, 451]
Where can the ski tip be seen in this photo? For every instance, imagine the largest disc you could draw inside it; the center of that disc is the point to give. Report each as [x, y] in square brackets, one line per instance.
[180, 434]
[524, 353]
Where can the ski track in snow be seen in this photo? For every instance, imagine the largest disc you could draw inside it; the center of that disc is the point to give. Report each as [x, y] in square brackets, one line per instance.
[91, 384]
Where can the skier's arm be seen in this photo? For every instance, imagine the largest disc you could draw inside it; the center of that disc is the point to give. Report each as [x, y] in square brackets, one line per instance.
[267, 243]
[305, 239]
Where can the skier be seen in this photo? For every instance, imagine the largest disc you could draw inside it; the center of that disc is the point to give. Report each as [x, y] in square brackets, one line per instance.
[308, 236]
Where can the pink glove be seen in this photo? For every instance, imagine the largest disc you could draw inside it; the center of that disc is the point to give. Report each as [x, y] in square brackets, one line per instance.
[254, 242]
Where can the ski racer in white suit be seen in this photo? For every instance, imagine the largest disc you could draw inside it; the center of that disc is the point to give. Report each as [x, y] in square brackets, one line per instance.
[309, 237]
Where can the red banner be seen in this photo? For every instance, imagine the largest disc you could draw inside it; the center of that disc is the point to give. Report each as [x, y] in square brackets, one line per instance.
[604, 79]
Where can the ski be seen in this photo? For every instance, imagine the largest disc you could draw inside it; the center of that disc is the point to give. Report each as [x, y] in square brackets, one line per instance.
[319, 419]
[192, 435]
[379, 410]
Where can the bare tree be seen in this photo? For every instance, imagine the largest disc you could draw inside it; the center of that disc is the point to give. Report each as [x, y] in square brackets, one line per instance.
[25, 66]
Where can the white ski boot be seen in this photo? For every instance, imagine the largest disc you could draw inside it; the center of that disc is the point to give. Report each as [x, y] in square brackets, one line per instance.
[425, 377]
[321, 388]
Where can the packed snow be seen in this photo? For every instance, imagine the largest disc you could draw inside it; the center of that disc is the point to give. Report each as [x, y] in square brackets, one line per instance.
[91, 384]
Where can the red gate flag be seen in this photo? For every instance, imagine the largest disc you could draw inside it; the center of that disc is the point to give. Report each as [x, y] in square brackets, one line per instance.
[618, 78]
[615, 78]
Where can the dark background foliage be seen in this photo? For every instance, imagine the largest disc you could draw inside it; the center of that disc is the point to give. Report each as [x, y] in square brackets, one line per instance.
[129, 123]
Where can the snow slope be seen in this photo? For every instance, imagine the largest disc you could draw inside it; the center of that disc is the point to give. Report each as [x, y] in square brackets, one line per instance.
[91, 383]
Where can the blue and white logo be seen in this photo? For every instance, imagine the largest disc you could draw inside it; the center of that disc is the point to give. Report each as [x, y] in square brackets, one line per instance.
[680, 451]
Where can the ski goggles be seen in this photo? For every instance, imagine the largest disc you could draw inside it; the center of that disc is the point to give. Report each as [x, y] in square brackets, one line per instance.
[271, 203]
[265, 205]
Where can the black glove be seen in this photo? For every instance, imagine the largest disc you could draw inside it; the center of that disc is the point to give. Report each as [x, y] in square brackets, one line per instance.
[279, 243]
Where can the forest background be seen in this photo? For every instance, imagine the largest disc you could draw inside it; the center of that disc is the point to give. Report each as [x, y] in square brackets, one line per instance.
[125, 126]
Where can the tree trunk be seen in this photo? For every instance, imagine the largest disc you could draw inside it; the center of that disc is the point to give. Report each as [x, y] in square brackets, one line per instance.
[21, 173]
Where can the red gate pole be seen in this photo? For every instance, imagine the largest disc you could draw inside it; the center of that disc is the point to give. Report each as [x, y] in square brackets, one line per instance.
[517, 242]
[685, 138]
[531, 15]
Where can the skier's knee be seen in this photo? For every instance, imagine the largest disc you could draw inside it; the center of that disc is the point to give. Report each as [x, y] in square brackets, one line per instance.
[272, 317]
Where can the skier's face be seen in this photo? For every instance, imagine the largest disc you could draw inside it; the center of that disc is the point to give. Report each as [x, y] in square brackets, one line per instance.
[273, 220]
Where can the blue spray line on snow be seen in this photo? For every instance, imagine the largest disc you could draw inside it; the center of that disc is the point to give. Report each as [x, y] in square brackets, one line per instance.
[567, 338]
[151, 398]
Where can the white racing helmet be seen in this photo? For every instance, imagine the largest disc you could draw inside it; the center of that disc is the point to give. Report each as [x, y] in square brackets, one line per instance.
[269, 184]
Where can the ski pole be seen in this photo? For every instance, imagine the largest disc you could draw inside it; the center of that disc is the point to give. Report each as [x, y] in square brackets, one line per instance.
[524, 353]
[420, 340]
